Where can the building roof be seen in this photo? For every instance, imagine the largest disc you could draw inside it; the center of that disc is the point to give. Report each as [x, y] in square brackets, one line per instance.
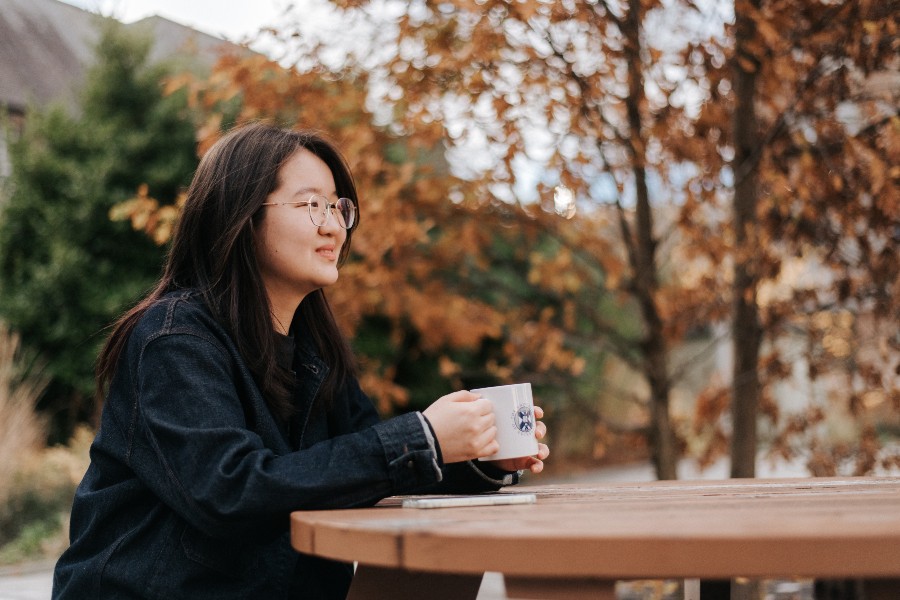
[46, 46]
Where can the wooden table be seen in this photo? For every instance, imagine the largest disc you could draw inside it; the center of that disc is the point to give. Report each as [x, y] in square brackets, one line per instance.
[579, 539]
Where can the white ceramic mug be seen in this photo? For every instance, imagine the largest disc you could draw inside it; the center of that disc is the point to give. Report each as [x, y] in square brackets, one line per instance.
[514, 416]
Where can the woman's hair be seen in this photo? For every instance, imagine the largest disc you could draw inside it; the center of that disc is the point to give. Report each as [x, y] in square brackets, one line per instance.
[213, 251]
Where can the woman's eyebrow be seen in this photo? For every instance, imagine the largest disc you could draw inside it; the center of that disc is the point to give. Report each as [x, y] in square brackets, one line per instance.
[313, 190]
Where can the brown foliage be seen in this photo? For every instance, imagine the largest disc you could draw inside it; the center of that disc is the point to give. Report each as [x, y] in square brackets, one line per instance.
[821, 246]
[420, 228]
[612, 104]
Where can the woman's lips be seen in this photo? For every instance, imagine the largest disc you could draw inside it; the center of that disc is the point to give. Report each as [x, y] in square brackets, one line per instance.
[326, 252]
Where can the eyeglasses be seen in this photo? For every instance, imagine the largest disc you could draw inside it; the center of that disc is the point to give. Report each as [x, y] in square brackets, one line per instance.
[319, 209]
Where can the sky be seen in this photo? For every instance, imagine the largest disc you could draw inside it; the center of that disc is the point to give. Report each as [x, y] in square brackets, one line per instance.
[226, 19]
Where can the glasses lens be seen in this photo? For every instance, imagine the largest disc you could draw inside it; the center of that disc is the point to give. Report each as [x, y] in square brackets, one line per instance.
[345, 212]
[318, 206]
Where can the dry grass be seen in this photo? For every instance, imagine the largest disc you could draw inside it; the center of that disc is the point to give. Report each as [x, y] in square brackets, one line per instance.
[34, 516]
[22, 431]
[36, 482]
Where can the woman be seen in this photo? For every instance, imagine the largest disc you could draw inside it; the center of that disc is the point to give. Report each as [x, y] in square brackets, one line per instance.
[231, 398]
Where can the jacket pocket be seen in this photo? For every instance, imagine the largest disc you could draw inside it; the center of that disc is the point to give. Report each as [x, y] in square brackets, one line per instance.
[226, 557]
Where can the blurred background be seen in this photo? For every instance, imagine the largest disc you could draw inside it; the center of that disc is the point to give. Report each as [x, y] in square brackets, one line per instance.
[679, 220]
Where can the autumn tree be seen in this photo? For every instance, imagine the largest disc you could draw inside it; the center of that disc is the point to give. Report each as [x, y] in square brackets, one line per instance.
[831, 197]
[746, 330]
[426, 305]
[580, 91]
[807, 85]
[657, 190]
[609, 85]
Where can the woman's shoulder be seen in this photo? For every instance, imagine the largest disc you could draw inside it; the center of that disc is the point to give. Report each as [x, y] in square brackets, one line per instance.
[179, 311]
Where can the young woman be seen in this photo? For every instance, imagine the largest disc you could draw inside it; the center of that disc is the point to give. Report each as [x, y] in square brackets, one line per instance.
[231, 398]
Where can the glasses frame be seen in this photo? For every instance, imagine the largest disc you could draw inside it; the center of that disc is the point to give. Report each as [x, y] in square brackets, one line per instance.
[330, 207]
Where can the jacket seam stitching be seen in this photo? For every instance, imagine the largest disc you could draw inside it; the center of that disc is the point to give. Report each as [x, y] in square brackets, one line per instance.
[168, 470]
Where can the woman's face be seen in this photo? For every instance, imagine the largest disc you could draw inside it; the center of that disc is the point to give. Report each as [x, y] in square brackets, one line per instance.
[295, 256]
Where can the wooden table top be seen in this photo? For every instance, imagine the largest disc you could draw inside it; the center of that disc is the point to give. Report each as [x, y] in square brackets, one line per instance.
[824, 527]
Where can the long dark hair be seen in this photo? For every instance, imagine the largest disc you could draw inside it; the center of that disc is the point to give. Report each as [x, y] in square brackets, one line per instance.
[213, 252]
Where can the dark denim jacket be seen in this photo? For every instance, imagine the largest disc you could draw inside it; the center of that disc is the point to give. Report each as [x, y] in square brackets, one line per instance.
[192, 480]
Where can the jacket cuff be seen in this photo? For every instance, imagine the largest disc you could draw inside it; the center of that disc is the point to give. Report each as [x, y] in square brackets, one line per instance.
[410, 455]
[432, 438]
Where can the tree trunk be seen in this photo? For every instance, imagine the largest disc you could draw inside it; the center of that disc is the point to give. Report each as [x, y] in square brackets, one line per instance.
[653, 347]
[746, 330]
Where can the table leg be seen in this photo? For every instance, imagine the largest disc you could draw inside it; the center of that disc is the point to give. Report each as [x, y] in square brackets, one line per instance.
[377, 583]
[882, 589]
[715, 589]
[542, 588]
[691, 589]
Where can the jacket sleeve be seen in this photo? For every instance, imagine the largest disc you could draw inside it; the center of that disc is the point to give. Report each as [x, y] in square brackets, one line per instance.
[457, 478]
[188, 442]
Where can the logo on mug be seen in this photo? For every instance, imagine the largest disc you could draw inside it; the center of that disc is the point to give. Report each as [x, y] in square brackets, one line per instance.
[523, 419]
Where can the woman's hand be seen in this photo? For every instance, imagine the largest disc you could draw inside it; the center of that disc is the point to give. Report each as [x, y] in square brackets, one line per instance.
[535, 464]
[463, 423]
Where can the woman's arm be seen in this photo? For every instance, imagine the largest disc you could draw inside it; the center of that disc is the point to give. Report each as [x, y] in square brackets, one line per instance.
[190, 443]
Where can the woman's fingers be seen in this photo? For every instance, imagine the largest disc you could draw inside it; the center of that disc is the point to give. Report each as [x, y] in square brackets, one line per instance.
[486, 443]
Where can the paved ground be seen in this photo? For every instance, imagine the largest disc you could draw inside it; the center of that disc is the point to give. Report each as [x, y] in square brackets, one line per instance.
[35, 583]
[29, 582]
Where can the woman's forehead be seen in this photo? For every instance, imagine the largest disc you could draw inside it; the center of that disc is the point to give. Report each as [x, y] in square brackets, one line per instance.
[304, 172]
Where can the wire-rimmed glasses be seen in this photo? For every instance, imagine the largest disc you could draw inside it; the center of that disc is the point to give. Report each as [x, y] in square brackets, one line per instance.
[320, 208]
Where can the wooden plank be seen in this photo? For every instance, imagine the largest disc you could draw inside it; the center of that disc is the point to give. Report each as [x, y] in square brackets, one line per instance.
[652, 558]
[344, 540]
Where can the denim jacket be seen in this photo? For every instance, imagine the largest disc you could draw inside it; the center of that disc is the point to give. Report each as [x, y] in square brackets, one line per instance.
[192, 479]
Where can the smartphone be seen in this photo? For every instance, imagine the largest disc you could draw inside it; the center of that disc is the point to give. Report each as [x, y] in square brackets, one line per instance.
[485, 500]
